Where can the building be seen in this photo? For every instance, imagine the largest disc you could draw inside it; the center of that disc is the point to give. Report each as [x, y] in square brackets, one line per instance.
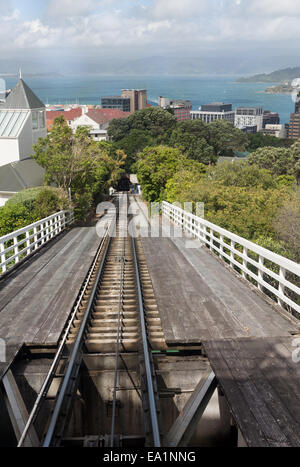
[22, 123]
[181, 108]
[17, 176]
[275, 130]
[249, 130]
[215, 111]
[116, 102]
[270, 118]
[69, 115]
[237, 156]
[249, 116]
[294, 125]
[138, 98]
[98, 120]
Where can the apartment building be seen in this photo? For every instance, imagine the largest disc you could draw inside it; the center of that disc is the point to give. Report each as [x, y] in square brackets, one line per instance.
[215, 111]
[249, 117]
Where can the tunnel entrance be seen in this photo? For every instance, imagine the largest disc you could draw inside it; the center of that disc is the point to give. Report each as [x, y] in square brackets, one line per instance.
[124, 183]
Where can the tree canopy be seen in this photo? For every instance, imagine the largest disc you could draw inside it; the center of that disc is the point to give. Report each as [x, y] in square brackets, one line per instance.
[156, 165]
[224, 138]
[279, 161]
[77, 162]
[259, 140]
[192, 137]
[157, 122]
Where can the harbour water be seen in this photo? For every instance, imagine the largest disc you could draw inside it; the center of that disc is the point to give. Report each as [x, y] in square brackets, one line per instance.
[88, 89]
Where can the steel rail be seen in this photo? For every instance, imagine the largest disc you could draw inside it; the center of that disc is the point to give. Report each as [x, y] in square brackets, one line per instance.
[77, 347]
[53, 368]
[151, 396]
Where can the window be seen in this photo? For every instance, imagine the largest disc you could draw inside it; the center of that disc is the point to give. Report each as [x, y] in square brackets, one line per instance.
[41, 119]
[35, 120]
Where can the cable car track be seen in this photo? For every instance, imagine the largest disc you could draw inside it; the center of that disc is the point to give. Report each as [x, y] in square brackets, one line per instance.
[116, 312]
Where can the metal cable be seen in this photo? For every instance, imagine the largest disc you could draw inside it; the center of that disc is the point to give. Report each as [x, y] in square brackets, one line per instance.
[122, 273]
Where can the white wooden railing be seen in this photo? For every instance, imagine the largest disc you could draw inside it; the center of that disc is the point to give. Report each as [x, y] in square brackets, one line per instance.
[16, 246]
[272, 274]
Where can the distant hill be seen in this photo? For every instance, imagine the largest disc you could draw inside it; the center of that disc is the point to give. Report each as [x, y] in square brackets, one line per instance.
[279, 76]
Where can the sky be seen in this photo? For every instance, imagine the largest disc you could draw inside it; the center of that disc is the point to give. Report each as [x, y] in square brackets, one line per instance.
[88, 29]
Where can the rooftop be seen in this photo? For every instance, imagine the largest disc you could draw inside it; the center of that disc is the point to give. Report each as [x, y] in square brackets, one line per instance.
[115, 97]
[101, 116]
[19, 175]
[22, 98]
[68, 114]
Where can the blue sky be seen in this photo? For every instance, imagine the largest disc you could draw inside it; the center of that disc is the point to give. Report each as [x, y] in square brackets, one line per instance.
[30, 9]
[137, 28]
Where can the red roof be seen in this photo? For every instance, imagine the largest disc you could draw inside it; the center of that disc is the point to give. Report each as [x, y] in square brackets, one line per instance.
[68, 114]
[101, 116]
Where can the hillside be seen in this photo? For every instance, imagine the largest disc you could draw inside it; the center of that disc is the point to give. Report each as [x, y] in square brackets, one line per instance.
[279, 76]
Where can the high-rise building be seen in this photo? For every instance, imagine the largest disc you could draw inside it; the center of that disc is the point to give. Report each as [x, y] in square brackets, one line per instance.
[215, 111]
[116, 102]
[138, 98]
[270, 118]
[294, 125]
[249, 116]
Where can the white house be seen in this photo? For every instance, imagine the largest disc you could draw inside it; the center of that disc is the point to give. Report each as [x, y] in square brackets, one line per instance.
[98, 120]
[22, 123]
[96, 131]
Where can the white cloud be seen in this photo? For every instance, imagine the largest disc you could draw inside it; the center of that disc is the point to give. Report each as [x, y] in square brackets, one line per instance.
[178, 8]
[63, 8]
[162, 24]
[272, 7]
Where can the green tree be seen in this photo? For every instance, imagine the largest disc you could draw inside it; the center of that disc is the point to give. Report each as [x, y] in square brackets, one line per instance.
[183, 186]
[118, 128]
[287, 224]
[77, 162]
[259, 140]
[133, 143]
[191, 137]
[154, 167]
[224, 138]
[157, 122]
[278, 161]
[241, 174]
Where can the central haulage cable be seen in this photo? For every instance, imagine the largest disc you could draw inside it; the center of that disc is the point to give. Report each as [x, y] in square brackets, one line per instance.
[122, 273]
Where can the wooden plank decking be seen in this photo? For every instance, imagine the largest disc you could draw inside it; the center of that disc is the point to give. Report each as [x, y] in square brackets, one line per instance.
[261, 384]
[37, 298]
[199, 299]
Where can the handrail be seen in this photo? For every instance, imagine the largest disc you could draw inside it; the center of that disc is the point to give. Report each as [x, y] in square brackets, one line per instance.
[16, 246]
[218, 239]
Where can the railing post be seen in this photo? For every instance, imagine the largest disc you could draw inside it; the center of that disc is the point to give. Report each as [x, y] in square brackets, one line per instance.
[261, 260]
[281, 287]
[232, 244]
[16, 249]
[35, 238]
[3, 257]
[28, 242]
[245, 262]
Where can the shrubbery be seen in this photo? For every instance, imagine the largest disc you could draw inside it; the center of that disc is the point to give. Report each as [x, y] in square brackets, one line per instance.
[31, 205]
